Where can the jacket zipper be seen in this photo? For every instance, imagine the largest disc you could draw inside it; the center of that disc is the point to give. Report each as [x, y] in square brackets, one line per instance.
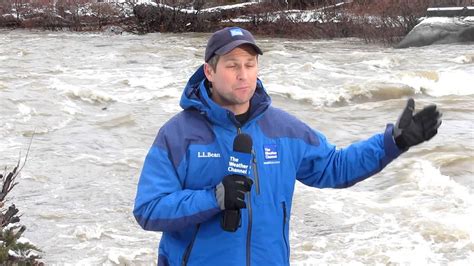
[284, 228]
[189, 248]
[249, 227]
[255, 172]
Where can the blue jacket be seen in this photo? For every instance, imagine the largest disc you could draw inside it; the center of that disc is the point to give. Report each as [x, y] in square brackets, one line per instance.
[189, 157]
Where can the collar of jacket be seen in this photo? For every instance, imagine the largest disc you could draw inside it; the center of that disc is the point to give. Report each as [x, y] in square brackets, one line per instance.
[195, 96]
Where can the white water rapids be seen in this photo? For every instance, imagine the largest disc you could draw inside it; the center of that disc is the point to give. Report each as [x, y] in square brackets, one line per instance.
[96, 102]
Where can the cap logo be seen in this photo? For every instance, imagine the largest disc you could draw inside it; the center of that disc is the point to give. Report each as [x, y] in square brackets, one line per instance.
[236, 32]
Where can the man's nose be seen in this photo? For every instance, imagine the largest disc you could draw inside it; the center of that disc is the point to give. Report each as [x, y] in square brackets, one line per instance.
[242, 73]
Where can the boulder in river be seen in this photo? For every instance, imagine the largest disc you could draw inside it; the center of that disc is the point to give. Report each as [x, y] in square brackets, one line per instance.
[440, 30]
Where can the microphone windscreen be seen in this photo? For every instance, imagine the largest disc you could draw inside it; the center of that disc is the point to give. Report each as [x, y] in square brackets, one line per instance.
[243, 143]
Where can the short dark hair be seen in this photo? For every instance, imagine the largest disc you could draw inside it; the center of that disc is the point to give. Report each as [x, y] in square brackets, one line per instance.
[213, 62]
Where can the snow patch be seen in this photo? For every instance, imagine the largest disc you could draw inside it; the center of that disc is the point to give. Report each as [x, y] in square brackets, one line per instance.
[446, 20]
[450, 8]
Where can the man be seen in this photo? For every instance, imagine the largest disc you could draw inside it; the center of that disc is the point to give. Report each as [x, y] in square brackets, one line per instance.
[185, 190]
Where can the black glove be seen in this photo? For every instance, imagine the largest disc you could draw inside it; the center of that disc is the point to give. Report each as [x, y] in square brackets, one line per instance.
[412, 129]
[230, 193]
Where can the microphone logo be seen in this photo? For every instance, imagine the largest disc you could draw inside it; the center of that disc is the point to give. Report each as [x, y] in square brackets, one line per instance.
[237, 163]
[238, 167]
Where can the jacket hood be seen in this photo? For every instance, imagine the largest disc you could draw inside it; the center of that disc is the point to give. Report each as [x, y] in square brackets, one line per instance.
[195, 96]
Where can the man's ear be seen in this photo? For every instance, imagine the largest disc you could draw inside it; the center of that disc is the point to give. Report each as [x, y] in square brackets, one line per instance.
[209, 72]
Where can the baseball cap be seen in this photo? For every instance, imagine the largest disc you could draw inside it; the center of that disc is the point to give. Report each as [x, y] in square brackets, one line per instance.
[225, 40]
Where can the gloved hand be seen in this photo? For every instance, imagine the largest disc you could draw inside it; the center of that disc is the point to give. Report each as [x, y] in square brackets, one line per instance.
[230, 193]
[412, 129]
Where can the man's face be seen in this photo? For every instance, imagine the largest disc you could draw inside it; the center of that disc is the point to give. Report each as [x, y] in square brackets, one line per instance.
[234, 79]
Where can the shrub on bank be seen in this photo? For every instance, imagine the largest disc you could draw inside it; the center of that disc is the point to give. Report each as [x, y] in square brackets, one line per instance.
[164, 19]
[14, 249]
[78, 15]
[387, 20]
[384, 21]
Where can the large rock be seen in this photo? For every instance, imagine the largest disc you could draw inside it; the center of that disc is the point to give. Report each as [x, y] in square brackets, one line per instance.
[113, 30]
[440, 30]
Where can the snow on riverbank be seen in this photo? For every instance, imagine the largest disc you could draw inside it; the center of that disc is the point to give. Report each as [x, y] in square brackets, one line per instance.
[446, 20]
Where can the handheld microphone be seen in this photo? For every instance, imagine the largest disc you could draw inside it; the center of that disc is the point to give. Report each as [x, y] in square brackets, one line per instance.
[239, 164]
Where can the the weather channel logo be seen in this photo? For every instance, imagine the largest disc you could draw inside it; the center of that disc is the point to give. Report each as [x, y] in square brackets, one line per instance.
[271, 152]
[235, 32]
[236, 166]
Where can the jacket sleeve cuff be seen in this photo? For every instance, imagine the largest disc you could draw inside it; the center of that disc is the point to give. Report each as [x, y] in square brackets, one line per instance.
[391, 149]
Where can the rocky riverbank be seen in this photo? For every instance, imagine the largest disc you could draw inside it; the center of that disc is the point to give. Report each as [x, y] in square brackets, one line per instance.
[370, 20]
